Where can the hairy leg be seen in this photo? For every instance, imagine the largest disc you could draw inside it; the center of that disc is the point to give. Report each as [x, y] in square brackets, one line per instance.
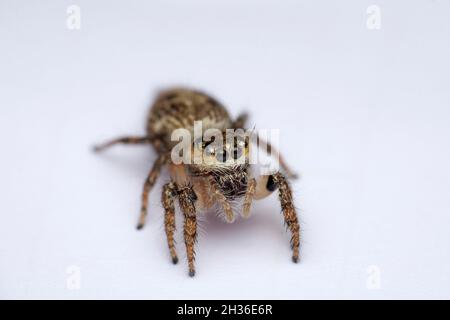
[222, 200]
[251, 188]
[270, 149]
[168, 194]
[187, 198]
[149, 183]
[290, 216]
[122, 140]
[240, 121]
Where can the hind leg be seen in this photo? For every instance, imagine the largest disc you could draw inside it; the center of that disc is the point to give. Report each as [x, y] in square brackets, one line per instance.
[187, 198]
[168, 195]
[240, 121]
[148, 185]
[122, 140]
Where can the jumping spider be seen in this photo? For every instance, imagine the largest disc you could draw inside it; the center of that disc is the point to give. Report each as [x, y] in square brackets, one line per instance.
[201, 186]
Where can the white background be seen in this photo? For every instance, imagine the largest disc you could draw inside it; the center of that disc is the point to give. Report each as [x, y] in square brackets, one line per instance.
[364, 118]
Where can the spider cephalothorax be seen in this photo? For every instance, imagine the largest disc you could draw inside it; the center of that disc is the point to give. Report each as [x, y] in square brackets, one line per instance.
[220, 177]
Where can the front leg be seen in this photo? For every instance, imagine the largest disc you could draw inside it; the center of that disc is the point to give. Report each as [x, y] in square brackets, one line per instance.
[187, 198]
[248, 198]
[222, 200]
[287, 206]
[123, 140]
[168, 194]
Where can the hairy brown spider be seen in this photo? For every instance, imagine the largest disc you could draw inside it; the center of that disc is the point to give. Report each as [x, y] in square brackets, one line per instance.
[217, 182]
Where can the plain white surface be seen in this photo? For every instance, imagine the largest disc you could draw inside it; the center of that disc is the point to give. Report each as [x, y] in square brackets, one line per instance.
[364, 117]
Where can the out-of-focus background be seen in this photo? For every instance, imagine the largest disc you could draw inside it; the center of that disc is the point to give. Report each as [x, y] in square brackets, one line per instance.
[359, 90]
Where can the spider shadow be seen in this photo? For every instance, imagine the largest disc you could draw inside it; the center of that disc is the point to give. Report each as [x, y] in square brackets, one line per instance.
[265, 219]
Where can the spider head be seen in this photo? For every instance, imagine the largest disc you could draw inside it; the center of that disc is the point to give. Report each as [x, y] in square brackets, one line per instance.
[216, 153]
[225, 161]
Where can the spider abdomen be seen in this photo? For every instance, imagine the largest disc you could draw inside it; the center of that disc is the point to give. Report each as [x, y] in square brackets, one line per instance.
[179, 108]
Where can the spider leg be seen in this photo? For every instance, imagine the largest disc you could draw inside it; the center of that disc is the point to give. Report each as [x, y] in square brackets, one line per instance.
[148, 185]
[270, 149]
[187, 198]
[251, 189]
[288, 209]
[222, 200]
[122, 140]
[168, 194]
[240, 121]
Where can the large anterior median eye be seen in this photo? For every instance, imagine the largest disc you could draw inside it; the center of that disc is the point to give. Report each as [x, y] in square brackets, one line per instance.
[210, 150]
[237, 153]
[240, 143]
[222, 155]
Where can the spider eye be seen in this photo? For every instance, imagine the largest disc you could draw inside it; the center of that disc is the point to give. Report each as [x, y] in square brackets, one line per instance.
[222, 156]
[237, 153]
[211, 140]
[242, 143]
[210, 150]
